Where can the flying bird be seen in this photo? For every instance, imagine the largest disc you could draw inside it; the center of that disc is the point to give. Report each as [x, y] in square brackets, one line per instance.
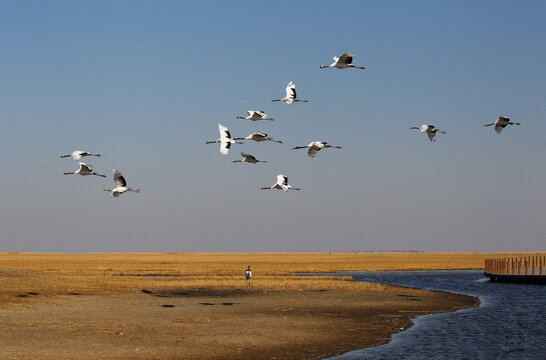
[342, 62]
[121, 185]
[316, 146]
[501, 123]
[291, 96]
[430, 130]
[85, 169]
[281, 184]
[249, 159]
[255, 115]
[225, 139]
[258, 137]
[78, 154]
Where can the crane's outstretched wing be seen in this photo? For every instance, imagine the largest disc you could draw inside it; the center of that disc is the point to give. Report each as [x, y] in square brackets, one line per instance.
[291, 90]
[346, 58]
[282, 180]
[248, 157]
[224, 146]
[312, 151]
[86, 166]
[119, 179]
[224, 132]
[498, 128]
[431, 136]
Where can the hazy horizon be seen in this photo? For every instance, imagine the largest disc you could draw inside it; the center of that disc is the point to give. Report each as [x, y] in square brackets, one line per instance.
[146, 83]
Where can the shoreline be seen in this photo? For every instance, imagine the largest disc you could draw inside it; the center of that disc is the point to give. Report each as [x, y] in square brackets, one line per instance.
[250, 325]
[66, 306]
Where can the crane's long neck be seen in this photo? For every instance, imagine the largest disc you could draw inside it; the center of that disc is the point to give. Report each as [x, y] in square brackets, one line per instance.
[69, 173]
[240, 117]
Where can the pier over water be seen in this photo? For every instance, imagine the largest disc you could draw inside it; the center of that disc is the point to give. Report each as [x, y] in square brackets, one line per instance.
[528, 269]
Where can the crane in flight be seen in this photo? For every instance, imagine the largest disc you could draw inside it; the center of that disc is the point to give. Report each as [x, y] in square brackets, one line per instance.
[281, 184]
[430, 130]
[248, 159]
[255, 115]
[315, 146]
[291, 96]
[121, 185]
[259, 137]
[501, 123]
[342, 62]
[85, 169]
[225, 139]
[78, 154]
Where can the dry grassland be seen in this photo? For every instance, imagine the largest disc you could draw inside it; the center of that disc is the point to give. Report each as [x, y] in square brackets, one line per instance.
[117, 273]
[197, 306]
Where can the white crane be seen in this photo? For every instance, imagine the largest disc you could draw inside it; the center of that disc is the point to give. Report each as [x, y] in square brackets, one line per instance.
[255, 115]
[249, 159]
[121, 185]
[430, 130]
[85, 169]
[501, 123]
[291, 96]
[78, 154]
[281, 184]
[258, 137]
[342, 62]
[248, 276]
[316, 146]
[225, 139]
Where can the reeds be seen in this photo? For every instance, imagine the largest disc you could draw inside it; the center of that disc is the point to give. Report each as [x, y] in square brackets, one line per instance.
[119, 273]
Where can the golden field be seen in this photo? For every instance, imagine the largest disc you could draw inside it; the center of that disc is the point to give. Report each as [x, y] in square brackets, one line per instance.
[197, 305]
[111, 273]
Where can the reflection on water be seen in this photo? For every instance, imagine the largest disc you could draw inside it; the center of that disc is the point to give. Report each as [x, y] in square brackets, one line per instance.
[509, 324]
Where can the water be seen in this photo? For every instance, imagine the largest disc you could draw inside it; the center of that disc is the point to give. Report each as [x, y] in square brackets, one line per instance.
[509, 324]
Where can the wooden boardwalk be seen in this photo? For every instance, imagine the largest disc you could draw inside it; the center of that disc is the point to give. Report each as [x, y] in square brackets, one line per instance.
[528, 269]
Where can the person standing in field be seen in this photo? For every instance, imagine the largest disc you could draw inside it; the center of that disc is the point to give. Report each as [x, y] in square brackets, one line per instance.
[248, 276]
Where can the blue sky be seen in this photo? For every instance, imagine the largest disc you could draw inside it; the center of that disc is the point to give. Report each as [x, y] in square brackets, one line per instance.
[145, 84]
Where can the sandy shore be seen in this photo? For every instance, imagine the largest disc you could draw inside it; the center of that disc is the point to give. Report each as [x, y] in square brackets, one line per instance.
[196, 306]
[235, 325]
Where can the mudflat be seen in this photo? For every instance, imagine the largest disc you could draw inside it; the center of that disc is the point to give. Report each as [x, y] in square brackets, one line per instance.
[235, 325]
[175, 306]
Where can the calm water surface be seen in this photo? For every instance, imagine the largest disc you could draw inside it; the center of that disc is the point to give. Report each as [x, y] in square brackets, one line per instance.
[509, 324]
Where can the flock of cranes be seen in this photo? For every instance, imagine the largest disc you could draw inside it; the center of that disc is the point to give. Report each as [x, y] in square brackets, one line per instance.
[226, 140]
[87, 169]
[343, 62]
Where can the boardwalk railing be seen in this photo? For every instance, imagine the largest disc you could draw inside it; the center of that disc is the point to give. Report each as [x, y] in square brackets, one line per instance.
[519, 266]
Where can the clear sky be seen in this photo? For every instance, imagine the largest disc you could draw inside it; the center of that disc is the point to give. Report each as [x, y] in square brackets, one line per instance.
[145, 83]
